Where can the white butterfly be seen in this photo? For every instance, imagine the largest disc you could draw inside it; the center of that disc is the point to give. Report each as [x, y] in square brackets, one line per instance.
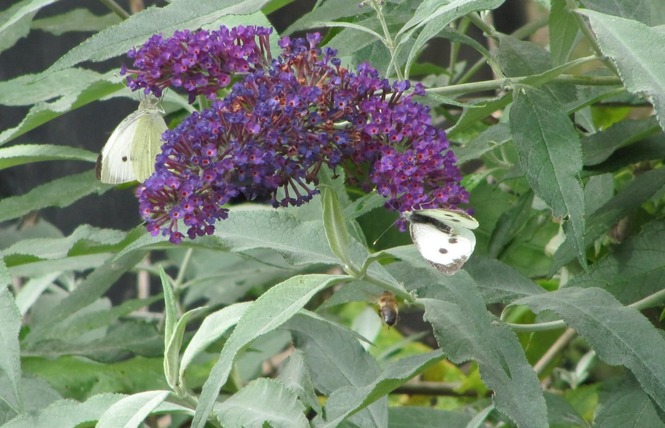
[130, 152]
[443, 237]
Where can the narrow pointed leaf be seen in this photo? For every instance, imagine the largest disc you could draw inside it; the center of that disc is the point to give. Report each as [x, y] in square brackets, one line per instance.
[623, 203]
[637, 50]
[550, 155]
[60, 192]
[131, 411]
[213, 327]
[10, 354]
[261, 402]
[610, 328]
[31, 153]
[346, 401]
[268, 312]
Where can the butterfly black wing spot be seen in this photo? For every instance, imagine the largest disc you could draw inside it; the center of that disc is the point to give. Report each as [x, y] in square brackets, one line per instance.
[125, 158]
[443, 251]
[452, 240]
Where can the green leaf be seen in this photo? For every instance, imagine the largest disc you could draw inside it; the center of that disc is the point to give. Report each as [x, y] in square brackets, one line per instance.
[509, 224]
[563, 32]
[27, 8]
[10, 353]
[499, 282]
[336, 359]
[177, 15]
[466, 331]
[65, 85]
[130, 411]
[561, 414]
[634, 271]
[89, 290]
[425, 417]
[327, 11]
[82, 238]
[76, 20]
[106, 344]
[430, 10]
[334, 225]
[549, 151]
[5, 276]
[37, 395]
[86, 92]
[252, 227]
[346, 401]
[295, 376]
[612, 331]
[213, 327]
[488, 140]
[60, 192]
[434, 16]
[623, 403]
[262, 401]
[598, 147]
[171, 342]
[628, 199]
[80, 378]
[16, 25]
[30, 153]
[66, 413]
[478, 111]
[649, 12]
[520, 58]
[636, 50]
[268, 312]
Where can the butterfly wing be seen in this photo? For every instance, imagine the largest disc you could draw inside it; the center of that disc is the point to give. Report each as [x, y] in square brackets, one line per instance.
[454, 217]
[146, 144]
[447, 249]
[114, 162]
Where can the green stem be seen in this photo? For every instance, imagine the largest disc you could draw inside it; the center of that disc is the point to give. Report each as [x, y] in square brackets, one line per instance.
[388, 286]
[388, 41]
[115, 8]
[484, 26]
[532, 328]
[556, 347]
[588, 34]
[530, 27]
[649, 301]
[177, 283]
[497, 84]
[455, 47]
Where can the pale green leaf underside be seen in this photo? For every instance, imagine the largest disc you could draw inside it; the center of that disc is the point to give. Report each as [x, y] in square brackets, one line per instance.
[130, 411]
[10, 355]
[637, 51]
[178, 15]
[346, 401]
[620, 335]
[268, 312]
[263, 401]
[31, 153]
[66, 413]
[60, 192]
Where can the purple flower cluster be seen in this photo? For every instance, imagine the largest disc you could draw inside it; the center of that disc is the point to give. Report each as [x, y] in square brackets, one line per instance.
[202, 62]
[280, 124]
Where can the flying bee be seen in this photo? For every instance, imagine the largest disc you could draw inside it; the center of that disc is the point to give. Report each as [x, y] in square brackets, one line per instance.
[388, 308]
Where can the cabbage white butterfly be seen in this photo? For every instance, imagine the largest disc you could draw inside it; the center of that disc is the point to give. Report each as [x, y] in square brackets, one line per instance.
[443, 237]
[130, 152]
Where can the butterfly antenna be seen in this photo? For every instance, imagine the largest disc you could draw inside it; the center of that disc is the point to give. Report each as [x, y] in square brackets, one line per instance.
[385, 231]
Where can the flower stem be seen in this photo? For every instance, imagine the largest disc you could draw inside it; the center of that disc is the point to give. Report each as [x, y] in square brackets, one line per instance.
[115, 8]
